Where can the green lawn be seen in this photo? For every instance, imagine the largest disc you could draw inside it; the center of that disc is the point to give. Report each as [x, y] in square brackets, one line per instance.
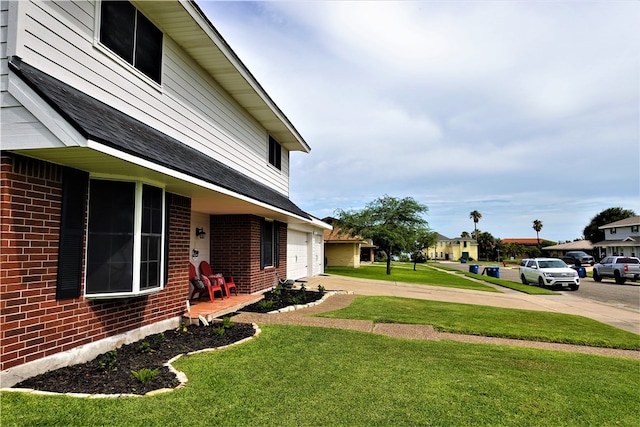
[303, 376]
[489, 321]
[404, 273]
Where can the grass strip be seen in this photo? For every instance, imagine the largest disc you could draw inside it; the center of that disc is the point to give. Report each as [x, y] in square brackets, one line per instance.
[404, 274]
[516, 286]
[305, 376]
[489, 321]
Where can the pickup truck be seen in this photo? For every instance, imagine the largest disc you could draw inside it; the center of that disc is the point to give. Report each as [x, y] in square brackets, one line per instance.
[619, 268]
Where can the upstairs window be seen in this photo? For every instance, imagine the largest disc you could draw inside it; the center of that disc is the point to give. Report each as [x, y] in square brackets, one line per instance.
[634, 228]
[131, 36]
[275, 153]
[612, 231]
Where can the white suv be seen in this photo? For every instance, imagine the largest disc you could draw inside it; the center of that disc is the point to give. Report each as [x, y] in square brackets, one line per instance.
[549, 272]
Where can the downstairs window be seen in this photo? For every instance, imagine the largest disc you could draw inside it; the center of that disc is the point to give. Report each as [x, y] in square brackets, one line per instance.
[125, 254]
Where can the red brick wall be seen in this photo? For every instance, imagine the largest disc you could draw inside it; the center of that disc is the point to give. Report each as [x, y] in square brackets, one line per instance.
[32, 323]
[235, 250]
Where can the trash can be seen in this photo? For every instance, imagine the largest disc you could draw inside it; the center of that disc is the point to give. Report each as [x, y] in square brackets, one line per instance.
[582, 272]
[473, 268]
[493, 271]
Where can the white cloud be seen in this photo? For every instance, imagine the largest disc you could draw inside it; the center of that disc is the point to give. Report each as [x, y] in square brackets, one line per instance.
[521, 110]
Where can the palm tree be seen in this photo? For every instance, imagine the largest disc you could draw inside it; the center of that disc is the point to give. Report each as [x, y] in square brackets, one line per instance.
[475, 216]
[537, 225]
[465, 234]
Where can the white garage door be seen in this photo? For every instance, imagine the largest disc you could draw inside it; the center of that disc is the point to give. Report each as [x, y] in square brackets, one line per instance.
[297, 254]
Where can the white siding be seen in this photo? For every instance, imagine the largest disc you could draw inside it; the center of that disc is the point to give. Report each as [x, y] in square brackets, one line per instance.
[59, 39]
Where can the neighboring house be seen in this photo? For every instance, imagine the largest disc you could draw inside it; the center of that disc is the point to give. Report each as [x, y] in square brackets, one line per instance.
[343, 250]
[453, 249]
[556, 251]
[134, 141]
[621, 238]
[526, 241]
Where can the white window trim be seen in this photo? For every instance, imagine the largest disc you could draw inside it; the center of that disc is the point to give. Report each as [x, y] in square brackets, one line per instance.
[97, 44]
[137, 244]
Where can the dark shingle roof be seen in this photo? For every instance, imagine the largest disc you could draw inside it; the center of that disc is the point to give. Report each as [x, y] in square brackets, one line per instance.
[100, 122]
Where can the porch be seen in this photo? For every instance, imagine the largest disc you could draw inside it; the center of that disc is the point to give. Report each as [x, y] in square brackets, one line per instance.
[218, 308]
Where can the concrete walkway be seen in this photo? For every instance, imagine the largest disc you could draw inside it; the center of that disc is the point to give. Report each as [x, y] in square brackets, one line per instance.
[349, 288]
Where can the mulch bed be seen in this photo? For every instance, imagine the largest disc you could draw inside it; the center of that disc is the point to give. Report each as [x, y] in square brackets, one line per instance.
[152, 352]
[283, 298]
[92, 378]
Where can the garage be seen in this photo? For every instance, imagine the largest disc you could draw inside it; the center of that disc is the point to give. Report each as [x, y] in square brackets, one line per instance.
[297, 254]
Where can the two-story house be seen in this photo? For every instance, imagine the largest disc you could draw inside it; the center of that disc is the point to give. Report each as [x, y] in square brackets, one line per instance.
[620, 238]
[453, 249]
[134, 141]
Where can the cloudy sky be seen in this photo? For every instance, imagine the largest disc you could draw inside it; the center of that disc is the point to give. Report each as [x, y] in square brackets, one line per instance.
[522, 110]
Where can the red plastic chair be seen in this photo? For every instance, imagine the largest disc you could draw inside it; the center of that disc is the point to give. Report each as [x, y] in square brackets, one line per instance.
[227, 281]
[192, 275]
[213, 284]
[229, 284]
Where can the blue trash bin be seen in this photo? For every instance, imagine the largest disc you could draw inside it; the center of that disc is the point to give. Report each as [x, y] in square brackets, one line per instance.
[582, 272]
[473, 268]
[493, 271]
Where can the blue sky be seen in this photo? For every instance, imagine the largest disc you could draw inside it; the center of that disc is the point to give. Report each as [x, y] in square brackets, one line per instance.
[522, 110]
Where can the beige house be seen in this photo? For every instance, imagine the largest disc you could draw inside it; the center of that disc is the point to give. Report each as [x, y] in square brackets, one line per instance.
[343, 250]
[453, 249]
[557, 251]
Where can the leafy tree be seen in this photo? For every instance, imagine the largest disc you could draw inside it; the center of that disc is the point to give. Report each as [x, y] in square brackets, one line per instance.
[514, 250]
[486, 244]
[475, 216]
[537, 225]
[465, 235]
[605, 217]
[425, 238]
[391, 223]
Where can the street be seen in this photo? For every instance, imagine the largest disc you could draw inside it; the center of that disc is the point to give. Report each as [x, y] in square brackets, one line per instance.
[607, 291]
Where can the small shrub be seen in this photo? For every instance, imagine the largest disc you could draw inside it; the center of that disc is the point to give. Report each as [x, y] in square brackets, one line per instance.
[321, 289]
[145, 375]
[108, 360]
[182, 329]
[158, 339]
[145, 347]
[219, 330]
[266, 304]
[227, 323]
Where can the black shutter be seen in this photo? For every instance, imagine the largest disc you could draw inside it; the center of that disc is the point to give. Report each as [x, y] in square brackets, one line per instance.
[74, 198]
[167, 235]
[262, 237]
[276, 243]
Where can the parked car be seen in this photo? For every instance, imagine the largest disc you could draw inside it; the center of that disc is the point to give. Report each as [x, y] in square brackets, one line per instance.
[573, 257]
[620, 268]
[551, 272]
